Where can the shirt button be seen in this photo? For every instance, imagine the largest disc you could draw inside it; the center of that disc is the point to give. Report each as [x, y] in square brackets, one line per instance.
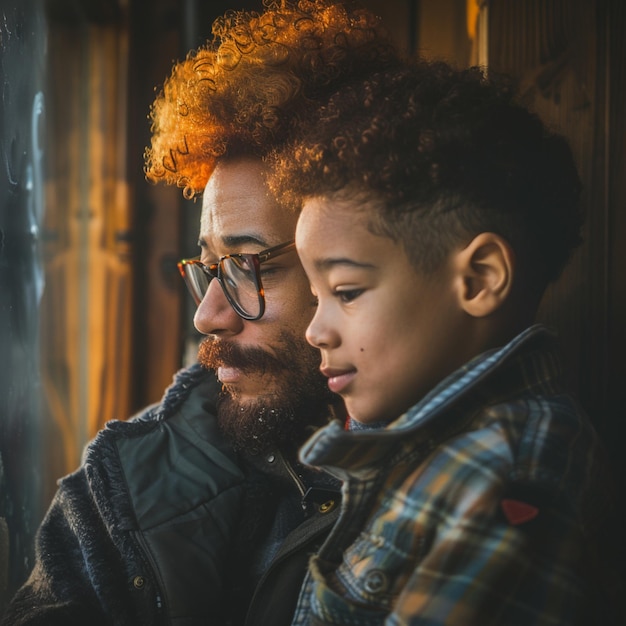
[326, 507]
[376, 581]
[270, 458]
[139, 582]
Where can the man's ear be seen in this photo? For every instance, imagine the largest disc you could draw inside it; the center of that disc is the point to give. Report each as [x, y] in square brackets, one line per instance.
[485, 272]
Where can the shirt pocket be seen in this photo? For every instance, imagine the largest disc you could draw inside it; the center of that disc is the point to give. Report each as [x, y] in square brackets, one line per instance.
[375, 568]
[323, 604]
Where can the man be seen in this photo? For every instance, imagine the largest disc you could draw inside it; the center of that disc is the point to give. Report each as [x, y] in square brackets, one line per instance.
[197, 511]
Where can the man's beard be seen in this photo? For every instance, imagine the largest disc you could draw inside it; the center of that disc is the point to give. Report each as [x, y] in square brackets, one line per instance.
[285, 417]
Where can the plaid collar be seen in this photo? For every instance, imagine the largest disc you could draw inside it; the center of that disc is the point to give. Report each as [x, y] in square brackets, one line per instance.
[528, 362]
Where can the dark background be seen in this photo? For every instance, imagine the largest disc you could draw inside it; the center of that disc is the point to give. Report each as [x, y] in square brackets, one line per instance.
[22, 68]
[570, 59]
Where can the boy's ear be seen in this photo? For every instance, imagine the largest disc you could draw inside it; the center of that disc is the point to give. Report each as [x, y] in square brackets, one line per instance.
[485, 272]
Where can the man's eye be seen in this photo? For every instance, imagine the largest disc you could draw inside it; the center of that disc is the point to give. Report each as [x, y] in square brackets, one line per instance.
[242, 265]
[270, 272]
[348, 295]
[266, 270]
[230, 282]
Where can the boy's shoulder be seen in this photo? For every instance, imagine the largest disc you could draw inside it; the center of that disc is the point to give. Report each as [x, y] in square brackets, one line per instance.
[547, 437]
[515, 421]
[539, 426]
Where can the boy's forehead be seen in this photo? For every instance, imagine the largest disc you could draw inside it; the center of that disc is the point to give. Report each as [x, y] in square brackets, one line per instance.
[327, 228]
[345, 214]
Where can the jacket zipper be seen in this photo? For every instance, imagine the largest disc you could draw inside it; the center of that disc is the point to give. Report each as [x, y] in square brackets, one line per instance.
[259, 586]
[259, 590]
[296, 479]
[152, 572]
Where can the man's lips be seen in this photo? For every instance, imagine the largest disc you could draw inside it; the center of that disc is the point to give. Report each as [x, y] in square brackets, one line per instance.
[228, 375]
[338, 379]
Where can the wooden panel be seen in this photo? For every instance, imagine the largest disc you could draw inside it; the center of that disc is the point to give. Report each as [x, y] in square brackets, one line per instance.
[569, 56]
[86, 309]
[612, 42]
[157, 293]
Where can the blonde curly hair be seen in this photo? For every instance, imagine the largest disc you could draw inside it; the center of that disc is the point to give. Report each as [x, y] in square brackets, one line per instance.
[244, 91]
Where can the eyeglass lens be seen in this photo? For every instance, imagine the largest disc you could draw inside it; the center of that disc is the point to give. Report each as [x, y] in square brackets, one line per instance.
[239, 276]
[238, 280]
[197, 281]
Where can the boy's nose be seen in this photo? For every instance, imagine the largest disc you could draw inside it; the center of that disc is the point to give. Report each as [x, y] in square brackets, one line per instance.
[320, 334]
[215, 315]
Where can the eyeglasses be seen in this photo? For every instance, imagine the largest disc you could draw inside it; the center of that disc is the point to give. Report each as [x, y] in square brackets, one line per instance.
[239, 276]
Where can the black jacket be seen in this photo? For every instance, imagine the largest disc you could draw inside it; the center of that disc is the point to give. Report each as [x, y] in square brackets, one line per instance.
[158, 525]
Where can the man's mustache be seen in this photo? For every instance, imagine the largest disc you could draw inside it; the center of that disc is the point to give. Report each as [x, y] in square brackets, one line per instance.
[215, 352]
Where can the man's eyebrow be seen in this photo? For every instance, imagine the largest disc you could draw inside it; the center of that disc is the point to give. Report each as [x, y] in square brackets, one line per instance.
[235, 241]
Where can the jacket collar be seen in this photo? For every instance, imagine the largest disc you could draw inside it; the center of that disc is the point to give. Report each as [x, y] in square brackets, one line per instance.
[528, 362]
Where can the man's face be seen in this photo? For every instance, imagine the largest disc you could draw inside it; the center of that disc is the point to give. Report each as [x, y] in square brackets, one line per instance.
[270, 375]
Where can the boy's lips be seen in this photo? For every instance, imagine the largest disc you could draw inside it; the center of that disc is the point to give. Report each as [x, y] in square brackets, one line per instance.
[338, 379]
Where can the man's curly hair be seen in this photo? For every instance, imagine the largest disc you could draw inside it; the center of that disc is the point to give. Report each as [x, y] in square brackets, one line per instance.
[442, 155]
[244, 91]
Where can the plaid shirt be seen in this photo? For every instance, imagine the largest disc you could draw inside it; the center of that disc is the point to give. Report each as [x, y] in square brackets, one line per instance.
[478, 506]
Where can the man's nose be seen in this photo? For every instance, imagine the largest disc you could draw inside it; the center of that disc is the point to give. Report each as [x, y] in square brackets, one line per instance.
[215, 315]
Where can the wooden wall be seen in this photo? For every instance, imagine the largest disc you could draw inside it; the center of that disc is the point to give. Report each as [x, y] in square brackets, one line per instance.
[570, 58]
[86, 312]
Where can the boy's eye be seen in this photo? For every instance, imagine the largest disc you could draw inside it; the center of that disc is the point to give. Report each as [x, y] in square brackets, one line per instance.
[348, 295]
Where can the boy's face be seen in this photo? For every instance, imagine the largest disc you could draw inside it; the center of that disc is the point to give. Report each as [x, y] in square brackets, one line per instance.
[387, 333]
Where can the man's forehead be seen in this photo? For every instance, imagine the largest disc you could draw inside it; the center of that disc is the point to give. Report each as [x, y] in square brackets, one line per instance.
[232, 228]
[238, 210]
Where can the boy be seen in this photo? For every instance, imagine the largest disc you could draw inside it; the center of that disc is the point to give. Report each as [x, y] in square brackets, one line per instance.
[436, 210]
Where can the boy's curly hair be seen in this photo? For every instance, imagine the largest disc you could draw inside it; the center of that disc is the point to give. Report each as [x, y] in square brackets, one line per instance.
[244, 91]
[442, 155]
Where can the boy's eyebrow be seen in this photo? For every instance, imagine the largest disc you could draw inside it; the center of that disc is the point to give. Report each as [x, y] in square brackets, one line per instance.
[328, 263]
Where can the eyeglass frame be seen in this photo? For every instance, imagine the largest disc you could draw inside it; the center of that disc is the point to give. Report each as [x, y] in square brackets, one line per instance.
[214, 270]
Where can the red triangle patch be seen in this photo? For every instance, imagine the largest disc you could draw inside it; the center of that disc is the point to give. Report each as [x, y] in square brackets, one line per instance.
[518, 512]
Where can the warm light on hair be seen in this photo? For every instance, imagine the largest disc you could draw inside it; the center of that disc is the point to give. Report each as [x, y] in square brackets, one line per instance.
[444, 154]
[243, 91]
